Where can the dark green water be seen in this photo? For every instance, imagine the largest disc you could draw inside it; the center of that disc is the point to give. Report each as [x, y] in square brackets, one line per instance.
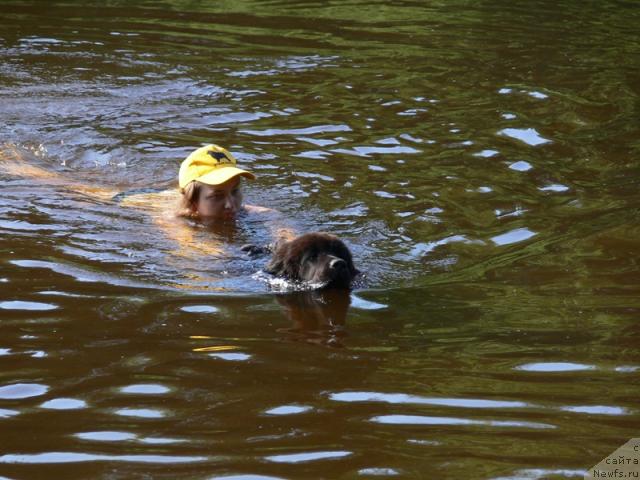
[481, 159]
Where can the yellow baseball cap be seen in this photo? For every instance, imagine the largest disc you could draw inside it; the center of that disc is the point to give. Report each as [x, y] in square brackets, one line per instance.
[210, 164]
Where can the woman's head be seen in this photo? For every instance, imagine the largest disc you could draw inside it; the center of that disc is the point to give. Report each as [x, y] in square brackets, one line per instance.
[212, 202]
[210, 184]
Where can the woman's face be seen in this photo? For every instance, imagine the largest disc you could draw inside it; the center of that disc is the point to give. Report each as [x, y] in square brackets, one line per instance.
[220, 202]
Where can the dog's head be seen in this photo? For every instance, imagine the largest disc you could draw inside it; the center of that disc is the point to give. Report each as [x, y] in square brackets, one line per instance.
[315, 258]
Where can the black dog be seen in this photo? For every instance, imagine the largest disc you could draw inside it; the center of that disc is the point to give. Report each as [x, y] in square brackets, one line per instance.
[319, 259]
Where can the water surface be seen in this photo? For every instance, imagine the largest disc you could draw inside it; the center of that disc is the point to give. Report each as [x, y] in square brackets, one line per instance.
[480, 159]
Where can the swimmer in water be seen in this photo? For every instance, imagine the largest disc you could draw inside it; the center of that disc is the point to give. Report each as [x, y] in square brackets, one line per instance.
[210, 185]
[209, 192]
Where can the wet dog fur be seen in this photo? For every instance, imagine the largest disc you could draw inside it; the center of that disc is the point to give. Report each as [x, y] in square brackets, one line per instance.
[318, 259]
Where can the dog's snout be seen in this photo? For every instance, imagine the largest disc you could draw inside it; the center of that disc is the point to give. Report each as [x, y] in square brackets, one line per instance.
[337, 264]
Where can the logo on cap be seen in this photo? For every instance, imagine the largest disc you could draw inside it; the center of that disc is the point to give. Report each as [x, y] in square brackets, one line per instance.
[219, 156]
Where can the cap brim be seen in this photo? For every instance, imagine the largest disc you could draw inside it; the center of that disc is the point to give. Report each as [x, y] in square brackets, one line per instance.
[225, 174]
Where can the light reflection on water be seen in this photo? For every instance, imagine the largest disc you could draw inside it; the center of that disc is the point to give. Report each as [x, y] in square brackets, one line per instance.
[19, 305]
[478, 160]
[398, 398]
[288, 410]
[148, 389]
[423, 420]
[22, 390]
[72, 457]
[140, 412]
[64, 404]
[306, 457]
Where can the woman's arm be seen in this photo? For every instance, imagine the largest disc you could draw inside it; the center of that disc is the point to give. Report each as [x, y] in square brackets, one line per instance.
[13, 162]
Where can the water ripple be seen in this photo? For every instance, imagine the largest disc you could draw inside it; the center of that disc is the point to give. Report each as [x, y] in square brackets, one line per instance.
[543, 473]
[596, 410]
[106, 436]
[5, 413]
[401, 398]
[521, 166]
[366, 151]
[298, 131]
[288, 410]
[530, 136]
[22, 390]
[74, 457]
[232, 357]
[513, 236]
[64, 404]
[379, 472]
[555, 187]
[145, 389]
[424, 420]
[555, 367]
[362, 304]
[140, 412]
[307, 457]
[486, 153]
[200, 309]
[245, 477]
[31, 306]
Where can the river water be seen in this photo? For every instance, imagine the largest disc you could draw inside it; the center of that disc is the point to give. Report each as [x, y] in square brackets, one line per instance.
[479, 158]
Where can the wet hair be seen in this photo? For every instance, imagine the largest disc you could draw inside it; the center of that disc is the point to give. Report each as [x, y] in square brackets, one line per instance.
[189, 200]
